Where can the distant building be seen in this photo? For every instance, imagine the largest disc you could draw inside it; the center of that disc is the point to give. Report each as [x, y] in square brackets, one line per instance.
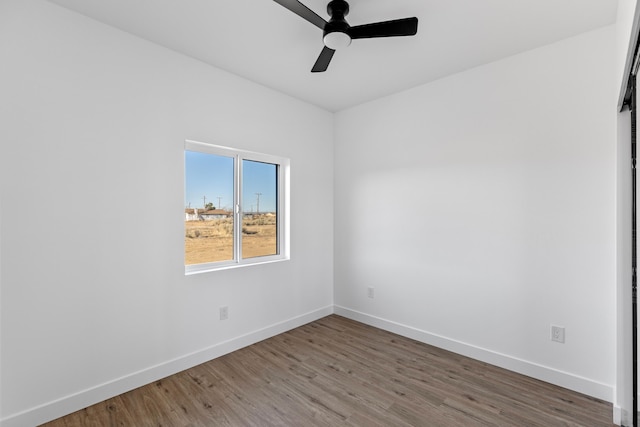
[191, 214]
[214, 214]
[195, 214]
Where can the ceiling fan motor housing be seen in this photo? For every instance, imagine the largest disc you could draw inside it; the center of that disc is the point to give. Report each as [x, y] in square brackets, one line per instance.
[336, 34]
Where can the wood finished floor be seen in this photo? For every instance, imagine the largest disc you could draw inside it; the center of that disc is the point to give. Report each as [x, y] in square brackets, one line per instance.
[337, 372]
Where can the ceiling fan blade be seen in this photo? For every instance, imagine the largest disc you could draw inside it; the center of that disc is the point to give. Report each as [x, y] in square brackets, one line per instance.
[323, 60]
[395, 28]
[303, 11]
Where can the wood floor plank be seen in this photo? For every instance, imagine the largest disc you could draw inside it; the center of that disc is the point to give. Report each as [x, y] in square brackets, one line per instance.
[336, 371]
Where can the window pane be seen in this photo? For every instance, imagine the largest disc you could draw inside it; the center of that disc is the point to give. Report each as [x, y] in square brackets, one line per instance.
[260, 209]
[208, 208]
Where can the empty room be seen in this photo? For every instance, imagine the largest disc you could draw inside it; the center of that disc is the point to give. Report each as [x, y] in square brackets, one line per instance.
[373, 213]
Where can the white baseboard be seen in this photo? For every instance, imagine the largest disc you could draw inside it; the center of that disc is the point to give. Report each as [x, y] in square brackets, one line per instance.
[66, 405]
[550, 375]
[619, 416]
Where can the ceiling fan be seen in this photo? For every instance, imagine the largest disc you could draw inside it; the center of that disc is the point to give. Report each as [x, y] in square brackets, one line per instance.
[337, 33]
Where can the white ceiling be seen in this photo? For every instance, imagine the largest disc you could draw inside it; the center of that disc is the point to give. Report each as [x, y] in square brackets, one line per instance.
[266, 43]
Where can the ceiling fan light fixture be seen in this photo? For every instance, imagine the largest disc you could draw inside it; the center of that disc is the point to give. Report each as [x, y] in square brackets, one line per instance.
[337, 40]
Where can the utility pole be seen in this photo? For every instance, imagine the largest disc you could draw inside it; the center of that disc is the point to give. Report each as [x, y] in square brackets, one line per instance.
[204, 201]
[258, 203]
[219, 204]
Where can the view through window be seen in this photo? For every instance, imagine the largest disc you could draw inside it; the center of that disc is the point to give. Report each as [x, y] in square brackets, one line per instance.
[209, 212]
[233, 206]
[259, 219]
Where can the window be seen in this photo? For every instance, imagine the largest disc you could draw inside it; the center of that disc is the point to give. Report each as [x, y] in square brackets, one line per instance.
[235, 207]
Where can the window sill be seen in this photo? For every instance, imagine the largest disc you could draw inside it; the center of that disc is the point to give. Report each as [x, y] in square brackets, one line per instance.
[191, 270]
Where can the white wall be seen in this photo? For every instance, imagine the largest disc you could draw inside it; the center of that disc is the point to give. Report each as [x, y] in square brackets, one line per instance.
[94, 297]
[481, 208]
[623, 402]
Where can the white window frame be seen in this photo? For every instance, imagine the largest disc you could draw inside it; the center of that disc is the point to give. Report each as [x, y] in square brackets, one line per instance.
[282, 218]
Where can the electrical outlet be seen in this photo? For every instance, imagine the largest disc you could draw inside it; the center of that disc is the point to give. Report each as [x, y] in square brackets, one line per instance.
[224, 313]
[557, 334]
[370, 292]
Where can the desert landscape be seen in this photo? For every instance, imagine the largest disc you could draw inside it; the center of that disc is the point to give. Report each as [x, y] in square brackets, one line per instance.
[212, 240]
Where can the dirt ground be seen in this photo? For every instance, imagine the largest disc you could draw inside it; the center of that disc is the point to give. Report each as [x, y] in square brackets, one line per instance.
[210, 241]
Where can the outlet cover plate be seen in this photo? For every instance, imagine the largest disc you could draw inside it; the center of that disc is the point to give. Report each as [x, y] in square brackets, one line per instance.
[557, 333]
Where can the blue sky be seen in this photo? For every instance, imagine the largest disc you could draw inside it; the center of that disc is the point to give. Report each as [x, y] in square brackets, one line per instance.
[211, 176]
